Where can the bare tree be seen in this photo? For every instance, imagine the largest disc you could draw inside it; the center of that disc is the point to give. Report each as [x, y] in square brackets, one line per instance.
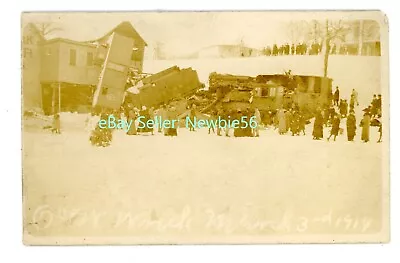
[327, 33]
[297, 31]
[47, 28]
[334, 31]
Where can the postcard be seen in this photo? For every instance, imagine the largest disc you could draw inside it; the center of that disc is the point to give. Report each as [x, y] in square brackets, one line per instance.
[205, 127]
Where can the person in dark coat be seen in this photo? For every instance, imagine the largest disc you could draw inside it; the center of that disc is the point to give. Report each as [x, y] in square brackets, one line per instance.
[343, 108]
[171, 115]
[332, 114]
[248, 131]
[335, 127]
[379, 104]
[366, 122]
[351, 126]
[292, 49]
[302, 124]
[336, 97]
[131, 119]
[327, 113]
[238, 131]
[268, 118]
[374, 106]
[146, 116]
[318, 131]
[352, 102]
[275, 50]
[380, 132]
[294, 125]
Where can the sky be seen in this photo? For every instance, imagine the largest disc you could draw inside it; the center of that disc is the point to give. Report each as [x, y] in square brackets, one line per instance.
[182, 33]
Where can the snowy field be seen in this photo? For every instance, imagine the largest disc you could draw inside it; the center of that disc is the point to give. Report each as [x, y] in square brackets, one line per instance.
[204, 184]
[200, 183]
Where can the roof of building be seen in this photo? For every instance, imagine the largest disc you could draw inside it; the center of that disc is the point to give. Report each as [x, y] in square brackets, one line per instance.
[69, 41]
[126, 29]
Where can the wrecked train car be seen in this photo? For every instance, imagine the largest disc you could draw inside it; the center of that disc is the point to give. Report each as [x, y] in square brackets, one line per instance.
[270, 92]
[163, 87]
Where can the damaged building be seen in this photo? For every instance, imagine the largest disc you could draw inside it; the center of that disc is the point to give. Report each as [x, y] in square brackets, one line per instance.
[62, 74]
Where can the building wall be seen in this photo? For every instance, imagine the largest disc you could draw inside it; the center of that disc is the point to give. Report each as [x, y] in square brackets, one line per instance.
[50, 62]
[81, 73]
[137, 56]
[31, 56]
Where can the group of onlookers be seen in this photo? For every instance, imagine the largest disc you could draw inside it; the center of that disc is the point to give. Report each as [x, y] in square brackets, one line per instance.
[304, 49]
[331, 116]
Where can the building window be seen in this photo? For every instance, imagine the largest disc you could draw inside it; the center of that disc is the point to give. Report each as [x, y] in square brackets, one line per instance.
[89, 59]
[72, 57]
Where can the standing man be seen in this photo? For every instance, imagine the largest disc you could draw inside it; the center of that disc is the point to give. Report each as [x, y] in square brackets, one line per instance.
[343, 108]
[366, 122]
[379, 104]
[318, 131]
[336, 97]
[131, 119]
[380, 132]
[351, 126]
[352, 101]
[213, 118]
[161, 114]
[374, 107]
[335, 127]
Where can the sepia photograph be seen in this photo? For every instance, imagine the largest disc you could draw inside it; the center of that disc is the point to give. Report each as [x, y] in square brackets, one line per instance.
[234, 127]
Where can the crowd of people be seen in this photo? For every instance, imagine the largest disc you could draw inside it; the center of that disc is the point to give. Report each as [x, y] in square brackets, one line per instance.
[304, 49]
[290, 120]
[331, 116]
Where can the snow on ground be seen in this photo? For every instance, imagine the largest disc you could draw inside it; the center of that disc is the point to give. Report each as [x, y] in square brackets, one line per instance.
[200, 184]
[204, 184]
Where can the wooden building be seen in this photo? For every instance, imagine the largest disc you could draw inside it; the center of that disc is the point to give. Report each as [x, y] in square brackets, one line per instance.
[61, 74]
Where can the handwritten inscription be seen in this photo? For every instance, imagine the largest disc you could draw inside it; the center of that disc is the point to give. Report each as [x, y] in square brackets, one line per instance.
[185, 220]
